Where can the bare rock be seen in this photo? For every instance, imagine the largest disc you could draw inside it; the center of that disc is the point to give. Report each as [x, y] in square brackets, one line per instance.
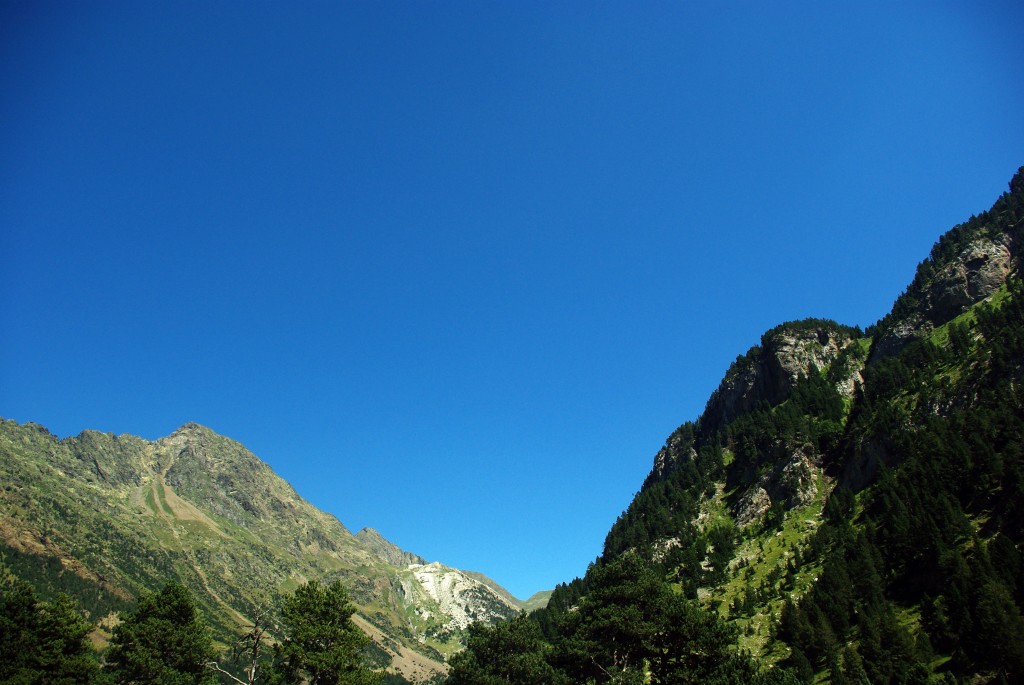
[768, 373]
[752, 507]
[797, 481]
[668, 456]
[979, 271]
[793, 481]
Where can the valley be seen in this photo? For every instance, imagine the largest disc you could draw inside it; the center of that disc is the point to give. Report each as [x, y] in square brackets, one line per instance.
[849, 507]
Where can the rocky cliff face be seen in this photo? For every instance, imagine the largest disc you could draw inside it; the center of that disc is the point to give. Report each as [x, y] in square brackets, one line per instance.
[977, 272]
[454, 597]
[387, 550]
[792, 479]
[118, 515]
[767, 373]
[967, 265]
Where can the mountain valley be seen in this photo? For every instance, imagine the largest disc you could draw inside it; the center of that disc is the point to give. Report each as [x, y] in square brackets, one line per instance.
[849, 507]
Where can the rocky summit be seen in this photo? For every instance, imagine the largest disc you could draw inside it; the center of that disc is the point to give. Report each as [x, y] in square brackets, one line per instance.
[849, 502]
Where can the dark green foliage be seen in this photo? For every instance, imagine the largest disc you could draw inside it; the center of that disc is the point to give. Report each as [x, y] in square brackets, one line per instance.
[1000, 628]
[630, 626]
[812, 414]
[664, 510]
[839, 506]
[774, 516]
[811, 324]
[610, 635]
[563, 599]
[321, 645]
[914, 543]
[164, 641]
[49, 578]
[43, 643]
[512, 652]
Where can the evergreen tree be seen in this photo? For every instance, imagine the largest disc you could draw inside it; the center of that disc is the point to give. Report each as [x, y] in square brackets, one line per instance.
[694, 646]
[633, 627]
[321, 646]
[511, 652]
[608, 638]
[1000, 629]
[42, 643]
[164, 641]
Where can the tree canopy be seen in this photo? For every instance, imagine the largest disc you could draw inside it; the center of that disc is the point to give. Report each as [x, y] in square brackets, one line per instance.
[321, 645]
[42, 643]
[164, 641]
[631, 626]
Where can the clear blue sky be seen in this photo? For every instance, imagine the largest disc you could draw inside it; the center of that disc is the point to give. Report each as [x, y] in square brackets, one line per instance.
[456, 270]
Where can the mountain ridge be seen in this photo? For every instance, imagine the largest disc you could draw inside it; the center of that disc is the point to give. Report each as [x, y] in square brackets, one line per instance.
[849, 501]
[118, 515]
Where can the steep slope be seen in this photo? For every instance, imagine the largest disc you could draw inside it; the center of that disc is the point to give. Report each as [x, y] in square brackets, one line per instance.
[851, 501]
[106, 517]
[968, 264]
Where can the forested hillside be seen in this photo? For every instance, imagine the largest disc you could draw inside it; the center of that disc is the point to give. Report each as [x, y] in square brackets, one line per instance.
[847, 509]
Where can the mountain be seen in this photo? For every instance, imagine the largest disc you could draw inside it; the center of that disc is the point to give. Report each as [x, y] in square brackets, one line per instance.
[849, 507]
[106, 517]
[850, 503]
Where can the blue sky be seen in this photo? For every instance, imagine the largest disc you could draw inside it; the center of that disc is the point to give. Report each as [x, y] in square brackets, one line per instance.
[456, 270]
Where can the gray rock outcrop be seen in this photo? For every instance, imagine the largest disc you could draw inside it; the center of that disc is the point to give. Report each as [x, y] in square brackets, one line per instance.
[769, 372]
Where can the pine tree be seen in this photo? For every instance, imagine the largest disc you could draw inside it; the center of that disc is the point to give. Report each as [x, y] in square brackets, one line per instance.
[164, 641]
[321, 646]
[512, 653]
[43, 643]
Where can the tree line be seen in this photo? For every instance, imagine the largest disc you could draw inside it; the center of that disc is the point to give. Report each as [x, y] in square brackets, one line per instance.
[629, 626]
[164, 640]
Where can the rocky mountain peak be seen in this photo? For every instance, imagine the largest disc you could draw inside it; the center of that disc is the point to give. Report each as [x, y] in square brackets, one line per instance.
[769, 371]
[122, 514]
[968, 264]
[387, 550]
[189, 432]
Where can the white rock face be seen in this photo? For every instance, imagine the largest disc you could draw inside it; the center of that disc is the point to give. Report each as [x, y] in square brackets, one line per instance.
[753, 506]
[452, 598]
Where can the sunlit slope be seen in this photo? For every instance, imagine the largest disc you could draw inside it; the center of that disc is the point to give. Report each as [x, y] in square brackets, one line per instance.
[106, 517]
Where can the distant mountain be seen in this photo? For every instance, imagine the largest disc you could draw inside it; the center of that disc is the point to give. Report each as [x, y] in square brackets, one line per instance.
[852, 502]
[106, 517]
